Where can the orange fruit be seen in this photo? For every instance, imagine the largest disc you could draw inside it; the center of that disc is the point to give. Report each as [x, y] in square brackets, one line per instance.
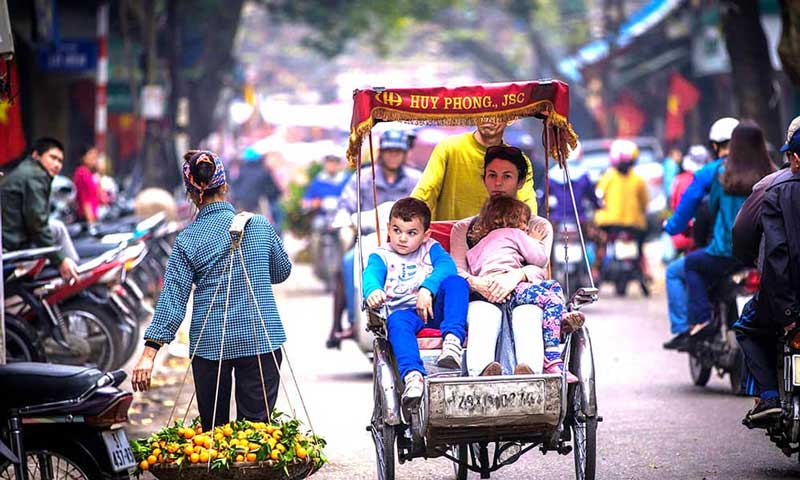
[239, 458]
[204, 457]
[274, 454]
[251, 457]
[199, 440]
[301, 452]
[188, 450]
[270, 429]
[154, 445]
[253, 446]
[281, 448]
[152, 459]
[156, 452]
[277, 434]
[188, 434]
[227, 431]
[212, 454]
[144, 465]
[194, 458]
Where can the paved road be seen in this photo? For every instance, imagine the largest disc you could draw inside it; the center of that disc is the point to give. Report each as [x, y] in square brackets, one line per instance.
[656, 424]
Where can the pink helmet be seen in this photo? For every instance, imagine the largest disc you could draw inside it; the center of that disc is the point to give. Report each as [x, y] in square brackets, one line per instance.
[623, 151]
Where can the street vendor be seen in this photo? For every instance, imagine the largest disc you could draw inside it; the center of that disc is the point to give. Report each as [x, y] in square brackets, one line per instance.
[452, 183]
[201, 258]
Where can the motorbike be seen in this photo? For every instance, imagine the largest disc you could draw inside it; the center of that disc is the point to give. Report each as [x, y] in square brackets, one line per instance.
[714, 346]
[326, 247]
[63, 422]
[568, 262]
[622, 263]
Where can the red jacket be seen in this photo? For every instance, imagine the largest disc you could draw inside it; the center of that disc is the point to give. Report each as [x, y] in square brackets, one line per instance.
[682, 241]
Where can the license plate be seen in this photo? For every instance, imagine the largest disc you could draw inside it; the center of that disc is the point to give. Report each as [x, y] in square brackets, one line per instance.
[741, 301]
[575, 254]
[796, 370]
[624, 250]
[119, 450]
[495, 399]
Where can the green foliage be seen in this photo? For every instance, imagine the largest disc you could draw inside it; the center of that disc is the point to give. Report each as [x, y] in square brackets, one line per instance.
[297, 221]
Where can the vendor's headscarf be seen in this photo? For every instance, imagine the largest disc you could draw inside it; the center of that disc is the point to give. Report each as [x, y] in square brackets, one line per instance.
[195, 157]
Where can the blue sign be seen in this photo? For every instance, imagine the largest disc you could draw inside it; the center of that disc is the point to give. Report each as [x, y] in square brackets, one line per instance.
[69, 56]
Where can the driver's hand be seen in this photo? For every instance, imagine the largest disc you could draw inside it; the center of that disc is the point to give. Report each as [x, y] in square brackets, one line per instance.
[376, 299]
[69, 270]
[425, 304]
[789, 328]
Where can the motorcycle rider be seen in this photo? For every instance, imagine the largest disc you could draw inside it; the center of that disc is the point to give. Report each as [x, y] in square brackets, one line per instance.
[774, 310]
[26, 204]
[329, 182]
[393, 181]
[624, 196]
[747, 163]
[719, 137]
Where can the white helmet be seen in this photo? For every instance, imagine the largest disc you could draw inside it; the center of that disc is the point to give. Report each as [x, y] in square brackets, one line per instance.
[722, 130]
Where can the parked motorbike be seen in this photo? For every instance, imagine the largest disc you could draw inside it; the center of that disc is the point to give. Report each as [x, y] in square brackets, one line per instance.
[622, 263]
[63, 422]
[715, 346]
[326, 248]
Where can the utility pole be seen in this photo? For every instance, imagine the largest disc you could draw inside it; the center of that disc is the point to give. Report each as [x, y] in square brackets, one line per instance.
[613, 14]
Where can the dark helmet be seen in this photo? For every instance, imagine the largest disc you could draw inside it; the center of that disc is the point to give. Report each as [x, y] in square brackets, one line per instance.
[394, 139]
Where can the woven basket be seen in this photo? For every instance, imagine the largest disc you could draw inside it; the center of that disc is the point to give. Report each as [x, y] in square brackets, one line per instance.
[249, 471]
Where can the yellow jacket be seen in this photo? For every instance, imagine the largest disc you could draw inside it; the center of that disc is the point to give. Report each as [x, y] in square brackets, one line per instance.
[625, 198]
[452, 183]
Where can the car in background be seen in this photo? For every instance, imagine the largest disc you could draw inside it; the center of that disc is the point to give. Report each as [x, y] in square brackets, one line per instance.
[593, 157]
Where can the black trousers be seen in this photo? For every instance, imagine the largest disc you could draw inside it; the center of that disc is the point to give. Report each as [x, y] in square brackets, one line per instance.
[249, 390]
[759, 344]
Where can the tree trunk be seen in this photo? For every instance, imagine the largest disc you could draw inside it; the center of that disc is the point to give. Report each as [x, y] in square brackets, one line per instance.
[789, 47]
[216, 61]
[750, 66]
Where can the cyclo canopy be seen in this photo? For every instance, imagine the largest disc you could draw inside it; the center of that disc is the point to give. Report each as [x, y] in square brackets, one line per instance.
[466, 105]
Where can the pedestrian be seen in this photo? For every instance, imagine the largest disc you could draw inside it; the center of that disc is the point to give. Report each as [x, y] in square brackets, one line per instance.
[200, 259]
[87, 190]
[26, 205]
[416, 279]
[329, 182]
[452, 182]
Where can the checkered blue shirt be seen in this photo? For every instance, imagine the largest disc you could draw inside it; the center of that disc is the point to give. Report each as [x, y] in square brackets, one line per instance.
[200, 257]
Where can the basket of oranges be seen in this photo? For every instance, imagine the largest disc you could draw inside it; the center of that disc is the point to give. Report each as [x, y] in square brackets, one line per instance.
[241, 449]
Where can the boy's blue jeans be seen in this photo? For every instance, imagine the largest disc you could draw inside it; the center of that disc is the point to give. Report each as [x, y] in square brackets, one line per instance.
[449, 315]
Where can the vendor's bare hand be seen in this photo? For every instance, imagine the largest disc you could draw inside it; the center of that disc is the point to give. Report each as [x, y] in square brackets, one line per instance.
[376, 299]
[143, 371]
[425, 305]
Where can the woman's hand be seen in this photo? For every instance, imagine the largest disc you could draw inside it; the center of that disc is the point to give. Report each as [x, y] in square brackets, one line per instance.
[538, 231]
[501, 286]
[376, 299]
[142, 373]
[424, 304]
[479, 285]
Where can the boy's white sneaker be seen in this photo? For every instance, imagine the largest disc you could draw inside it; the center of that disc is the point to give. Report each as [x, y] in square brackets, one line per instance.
[414, 386]
[451, 353]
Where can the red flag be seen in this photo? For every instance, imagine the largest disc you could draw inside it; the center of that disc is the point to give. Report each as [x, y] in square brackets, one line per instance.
[125, 128]
[12, 138]
[683, 96]
[630, 118]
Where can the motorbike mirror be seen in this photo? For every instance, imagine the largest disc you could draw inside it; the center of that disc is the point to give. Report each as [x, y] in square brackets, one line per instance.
[582, 297]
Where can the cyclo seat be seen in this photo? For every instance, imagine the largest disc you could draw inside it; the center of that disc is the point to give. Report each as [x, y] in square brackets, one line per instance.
[28, 384]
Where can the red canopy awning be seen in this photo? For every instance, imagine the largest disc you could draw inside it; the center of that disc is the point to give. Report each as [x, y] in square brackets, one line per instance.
[467, 105]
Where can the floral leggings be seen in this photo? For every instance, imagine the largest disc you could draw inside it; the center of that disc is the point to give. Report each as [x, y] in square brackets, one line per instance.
[548, 296]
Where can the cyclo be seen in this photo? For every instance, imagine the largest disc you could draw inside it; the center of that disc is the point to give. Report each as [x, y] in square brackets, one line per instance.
[479, 423]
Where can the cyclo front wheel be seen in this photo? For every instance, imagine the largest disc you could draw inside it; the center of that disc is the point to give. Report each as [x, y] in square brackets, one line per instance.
[461, 452]
[584, 437]
[383, 436]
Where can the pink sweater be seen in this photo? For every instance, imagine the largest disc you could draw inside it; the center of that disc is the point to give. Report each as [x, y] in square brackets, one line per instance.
[503, 250]
[459, 249]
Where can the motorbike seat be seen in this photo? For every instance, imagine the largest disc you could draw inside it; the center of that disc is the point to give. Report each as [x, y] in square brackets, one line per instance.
[91, 248]
[28, 384]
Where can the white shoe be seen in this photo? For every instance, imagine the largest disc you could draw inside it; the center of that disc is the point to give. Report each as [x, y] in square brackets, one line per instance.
[451, 353]
[412, 393]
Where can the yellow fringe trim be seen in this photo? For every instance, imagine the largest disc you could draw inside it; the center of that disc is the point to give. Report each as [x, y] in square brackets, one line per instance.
[559, 122]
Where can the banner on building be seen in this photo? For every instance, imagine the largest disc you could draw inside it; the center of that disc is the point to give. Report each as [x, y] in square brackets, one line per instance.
[629, 117]
[12, 137]
[682, 98]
